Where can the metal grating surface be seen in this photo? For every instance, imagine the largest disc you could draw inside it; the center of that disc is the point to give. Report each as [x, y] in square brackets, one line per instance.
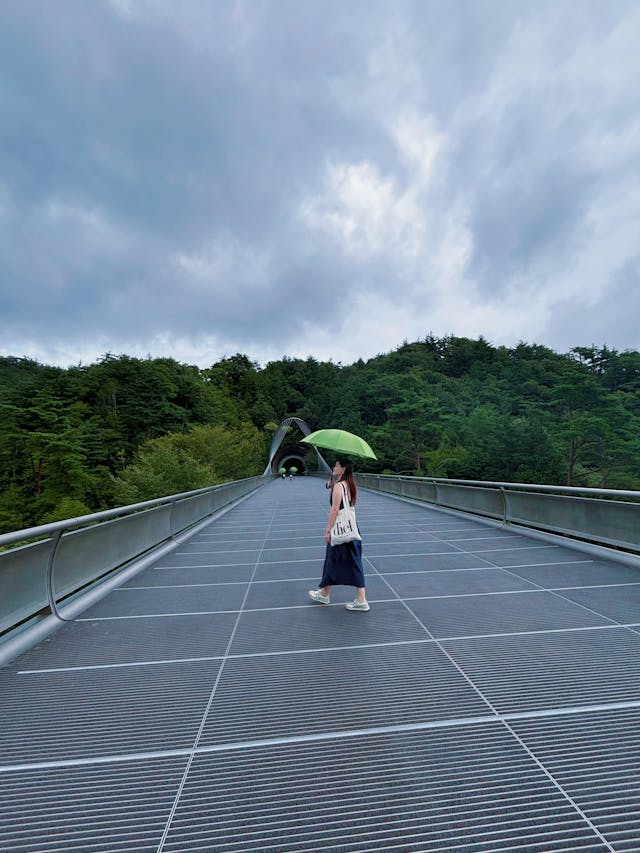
[191, 574]
[438, 523]
[290, 593]
[433, 776]
[132, 641]
[497, 614]
[104, 808]
[287, 555]
[426, 562]
[471, 790]
[383, 549]
[533, 555]
[595, 757]
[537, 671]
[311, 570]
[318, 627]
[461, 582]
[221, 558]
[225, 542]
[337, 691]
[176, 599]
[583, 572]
[65, 715]
[621, 603]
[205, 546]
[399, 536]
[484, 538]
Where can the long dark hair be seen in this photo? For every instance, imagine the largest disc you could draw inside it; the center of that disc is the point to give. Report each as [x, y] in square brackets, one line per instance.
[348, 478]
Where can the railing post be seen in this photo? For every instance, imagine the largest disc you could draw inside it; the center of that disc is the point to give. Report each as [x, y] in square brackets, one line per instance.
[503, 494]
[49, 579]
[172, 534]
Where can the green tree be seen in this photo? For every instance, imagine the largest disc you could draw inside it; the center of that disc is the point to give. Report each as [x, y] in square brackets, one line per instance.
[126, 428]
[584, 415]
[161, 468]
[414, 418]
[181, 462]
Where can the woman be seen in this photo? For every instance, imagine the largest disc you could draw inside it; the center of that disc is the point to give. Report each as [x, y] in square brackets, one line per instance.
[342, 563]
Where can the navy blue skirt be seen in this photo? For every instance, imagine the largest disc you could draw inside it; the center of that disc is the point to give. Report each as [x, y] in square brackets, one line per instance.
[343, 565]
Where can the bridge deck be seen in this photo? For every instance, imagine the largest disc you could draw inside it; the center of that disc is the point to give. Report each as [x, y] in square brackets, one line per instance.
[488, 702]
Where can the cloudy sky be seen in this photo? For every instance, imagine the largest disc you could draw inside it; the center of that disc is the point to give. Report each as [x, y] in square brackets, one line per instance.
[320, 178]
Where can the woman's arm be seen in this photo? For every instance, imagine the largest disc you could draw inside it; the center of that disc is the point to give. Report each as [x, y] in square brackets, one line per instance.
[333, 512]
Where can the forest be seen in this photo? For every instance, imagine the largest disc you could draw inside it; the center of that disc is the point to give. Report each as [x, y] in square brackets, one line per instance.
[79, 439]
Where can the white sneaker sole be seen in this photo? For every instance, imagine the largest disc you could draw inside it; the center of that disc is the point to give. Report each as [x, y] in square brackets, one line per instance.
[317, 600]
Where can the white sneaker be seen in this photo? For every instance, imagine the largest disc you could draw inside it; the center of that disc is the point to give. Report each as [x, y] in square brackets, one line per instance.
[318, 597]
[358, 605]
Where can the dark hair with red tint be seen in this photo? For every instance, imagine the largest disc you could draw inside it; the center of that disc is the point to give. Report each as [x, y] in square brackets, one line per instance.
[348, 478]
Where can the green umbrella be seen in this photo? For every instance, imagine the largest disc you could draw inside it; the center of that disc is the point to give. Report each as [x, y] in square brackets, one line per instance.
[294, 469]
[282, 470]
[341, 441]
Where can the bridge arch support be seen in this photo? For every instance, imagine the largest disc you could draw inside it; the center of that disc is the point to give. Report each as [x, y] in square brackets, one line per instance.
[278, 438]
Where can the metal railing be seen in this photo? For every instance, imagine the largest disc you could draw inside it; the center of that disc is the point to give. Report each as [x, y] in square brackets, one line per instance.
[69, 555]
[608, 517]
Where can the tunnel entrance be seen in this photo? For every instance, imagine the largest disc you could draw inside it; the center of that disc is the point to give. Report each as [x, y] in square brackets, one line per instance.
[290, 461]
[287, 453]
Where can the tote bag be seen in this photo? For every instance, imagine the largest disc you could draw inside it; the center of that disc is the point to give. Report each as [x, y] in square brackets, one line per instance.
[345, 528]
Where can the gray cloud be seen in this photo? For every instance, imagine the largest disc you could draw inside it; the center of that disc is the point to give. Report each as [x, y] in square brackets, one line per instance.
[611, 319]
[201, 172]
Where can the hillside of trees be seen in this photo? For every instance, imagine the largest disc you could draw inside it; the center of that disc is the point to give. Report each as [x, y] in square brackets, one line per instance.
[85, 438]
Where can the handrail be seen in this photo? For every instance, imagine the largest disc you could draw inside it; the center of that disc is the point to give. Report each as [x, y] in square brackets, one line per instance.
[609, 517]
[103, 515]
[539, 487]
[53, 561]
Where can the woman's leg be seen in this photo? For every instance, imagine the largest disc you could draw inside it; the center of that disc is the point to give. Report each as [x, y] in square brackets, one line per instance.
[325, 590]
[361, 594]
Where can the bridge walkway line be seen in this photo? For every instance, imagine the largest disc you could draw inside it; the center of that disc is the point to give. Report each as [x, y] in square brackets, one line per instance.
[489, 701]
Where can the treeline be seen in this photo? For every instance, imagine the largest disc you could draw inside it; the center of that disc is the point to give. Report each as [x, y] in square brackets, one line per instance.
[76, 440]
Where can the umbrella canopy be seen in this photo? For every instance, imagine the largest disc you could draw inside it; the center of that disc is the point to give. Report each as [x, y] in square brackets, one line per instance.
[294, 469]
[282, 470]
[341, 441]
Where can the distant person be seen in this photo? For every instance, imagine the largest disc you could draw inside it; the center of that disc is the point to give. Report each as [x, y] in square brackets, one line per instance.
[342, 563]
